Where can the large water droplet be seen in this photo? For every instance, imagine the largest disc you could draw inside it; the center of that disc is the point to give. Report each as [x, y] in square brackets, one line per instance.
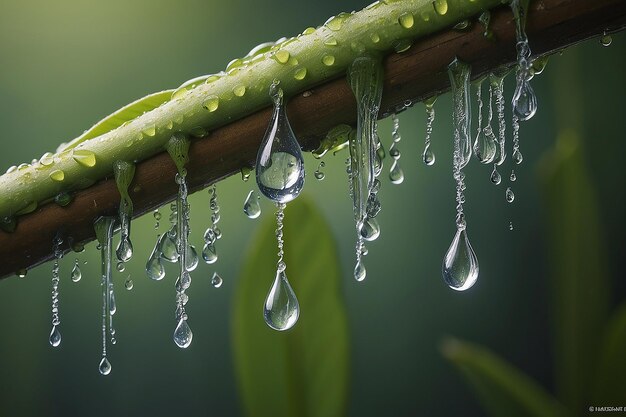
[154, 266]
[495, 178]
[485, 146]
[281, 309]
[406, 20]
[167, 247]
[251, 206]
[57, 175]
[183, 334]
[279, 165]
[191, 258]
[441, 7]
[124, 250]
[370, 230]
[76, 274]
[524, 101]
[84, 157]
[55, 337]
[209, 254]
[460, 266]
[216, 280]
[105, 366]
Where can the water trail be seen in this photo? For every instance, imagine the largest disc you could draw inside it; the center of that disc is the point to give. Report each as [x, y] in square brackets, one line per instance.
[213, 232]
[459, 73]
[396, 175]
[365, 75]
[485, 142]
[104, 233]
[428, 156]
[124, 173]
[55, 334]
[524, 100]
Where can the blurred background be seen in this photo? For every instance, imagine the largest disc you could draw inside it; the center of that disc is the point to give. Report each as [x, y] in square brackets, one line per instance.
[547, 290]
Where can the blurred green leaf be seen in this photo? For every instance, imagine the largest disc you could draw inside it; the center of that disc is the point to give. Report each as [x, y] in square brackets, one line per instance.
[503, 390]
[611, 372]
[125, 114]
[304, 371]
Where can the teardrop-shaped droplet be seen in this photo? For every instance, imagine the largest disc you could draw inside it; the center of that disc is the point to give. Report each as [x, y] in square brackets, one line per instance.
[124, 250]
[396, 175]
[76, 273]
[154, 266]
[129, 284]
[183, 334]
[517, 157]
[191, 258]
[209, 254]
[281, 309]
[513, 177]
[55, 337]
[167, 248]
[524, 101]
[460, 266]
[495, 176]
[120, 267]
[428, 156]
[485, 146]
[112, 303]
[510, 196]
[370, 230]
[105, 366]
[359, 271]
[216, 280]
[279, 165]
[251, 206]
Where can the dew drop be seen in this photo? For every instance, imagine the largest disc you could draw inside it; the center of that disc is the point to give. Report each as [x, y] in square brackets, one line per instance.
[279, 166]
[21, 273]
[318, 174]
[84, 157]
[211, 103]
[335, 22]
[406, 20]
[375, 37]
[124, 250]
[428, 156]
[183, 334]
[57, 175]
[63, 199]
[281, 56]
[216, 280]
[55, 337]
[460, 265]
[441, 7]
[510, 197]
[239, 90]
[251, 206]
[105, 366]
[300, 73]
[281, 308]
[76, 274]
[331, 41]
[149, 131]
[328, 60]
[46, 159]
[524, 101]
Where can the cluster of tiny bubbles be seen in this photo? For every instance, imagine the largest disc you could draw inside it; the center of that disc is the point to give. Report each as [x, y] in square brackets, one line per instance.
[252, 206]
[76, 274]
[319, 174]
[396, 175]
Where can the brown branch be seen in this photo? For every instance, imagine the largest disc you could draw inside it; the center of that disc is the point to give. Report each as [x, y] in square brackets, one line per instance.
[414, 75]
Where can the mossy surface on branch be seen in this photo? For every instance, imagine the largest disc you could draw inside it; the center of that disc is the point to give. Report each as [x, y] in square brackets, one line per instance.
[205, 103]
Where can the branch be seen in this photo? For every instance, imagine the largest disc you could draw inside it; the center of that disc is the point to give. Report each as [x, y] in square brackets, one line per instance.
[413, 75]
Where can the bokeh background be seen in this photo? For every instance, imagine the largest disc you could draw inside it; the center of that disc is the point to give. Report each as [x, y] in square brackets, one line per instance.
[66, 65]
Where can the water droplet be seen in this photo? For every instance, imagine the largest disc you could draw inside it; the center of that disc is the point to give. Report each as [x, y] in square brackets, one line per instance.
[606, 39]
[428, 156]
[509, 195]
[517, 157]
[63, 199]
[251, 206]
[299, 74]
[149, 131]
[21, 273]
[319, 175]
[191, 258]
[495, 176]
[76, 274]
[328, 60]
[46, 159]
[209, 254]
[55, 337]
[105, 366]
[128, 284]
[511, 226]
[359, 271]
[440, 6]
[57, 175]
[154, 266]
[216, 280]
[183, 334]
[84, 157]
[462, 26]
[406, 20]
[281, 56]
[330, 41]
[375, 37]
[396, 175]
[513, 177]
[239, 90]
[335, 22]
[124, 250]
[459, 73]
[211, 103]
[485, 145]
[460, 265]
[281, 308]
[121, 267]
[370, 230]
[279, 165]
[167, 248]
[524, 101]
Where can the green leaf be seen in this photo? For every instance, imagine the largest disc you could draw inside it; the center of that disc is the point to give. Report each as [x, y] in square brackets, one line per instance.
[303, 371]
[502, 389]
[119, 117]
[611, 372]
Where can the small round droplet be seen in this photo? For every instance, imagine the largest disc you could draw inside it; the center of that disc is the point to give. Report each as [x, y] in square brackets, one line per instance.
[105, 366]
[121, 267]
[211, 103]
[328, 60]
[216, 280]
[375, 37]
[509, 195]
[300, 74]
[239, 90]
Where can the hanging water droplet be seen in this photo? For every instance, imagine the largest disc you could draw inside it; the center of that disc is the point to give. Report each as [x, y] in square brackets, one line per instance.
[606, 39]
[370, 230]
[216, 280]
[281, 308]
[495, 175]
[485, 146]
[524, 101]
[105, 366]
[359, 271]
[167, 247]
[396, 175]
[460, 265]
[55, 337]
[209, 254]
[509, 195]
[154, 266]
[279, 166]
[183, 334]
[121, 267]
[251, 206]
[76, 274]
[319, 175]
[245, 173]
[21, 273]
[513, 177]
[128, 284]
[191, 258]
[428, 156]
[112, 303]
[517, 157]
[125, 249]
